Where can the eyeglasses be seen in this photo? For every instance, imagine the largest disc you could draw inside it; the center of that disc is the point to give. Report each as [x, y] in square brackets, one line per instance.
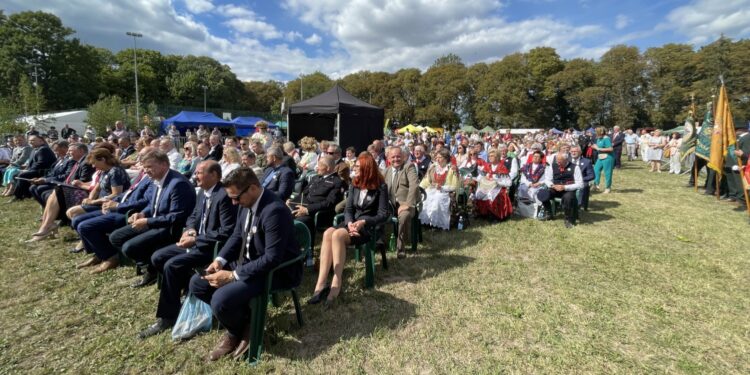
[237, 198]
[330, 153]
[243, 144]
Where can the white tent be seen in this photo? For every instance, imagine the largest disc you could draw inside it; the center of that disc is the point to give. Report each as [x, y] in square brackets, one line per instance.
[75, 119]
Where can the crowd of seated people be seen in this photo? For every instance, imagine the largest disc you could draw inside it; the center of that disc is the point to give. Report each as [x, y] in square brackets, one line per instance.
[226, 204]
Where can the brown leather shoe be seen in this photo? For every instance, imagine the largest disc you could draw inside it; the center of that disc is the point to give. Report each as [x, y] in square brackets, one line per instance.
[90, 262]
[109, 264]
[243, 345]
[226, 345]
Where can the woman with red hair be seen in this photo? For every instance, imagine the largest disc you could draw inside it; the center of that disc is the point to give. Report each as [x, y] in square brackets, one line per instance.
[366, 206]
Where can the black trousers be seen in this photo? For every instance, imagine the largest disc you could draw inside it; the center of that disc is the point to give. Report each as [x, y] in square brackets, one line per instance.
[711, 183]
[617, 150]
[176, 265]
[698, 164]
[22, 186]
[141, 245]
[569, 202]
[585, 193]
[231, 302]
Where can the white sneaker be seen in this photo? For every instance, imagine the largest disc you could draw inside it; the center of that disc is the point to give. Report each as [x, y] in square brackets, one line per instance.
[606, 191]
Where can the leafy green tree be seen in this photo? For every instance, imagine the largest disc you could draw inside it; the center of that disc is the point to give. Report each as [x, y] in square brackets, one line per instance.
[621, 73]
[670, 70]
[263, 96]
[105, 112]
[312, 85]
[193, 72]
[443, 91]
[403, 89]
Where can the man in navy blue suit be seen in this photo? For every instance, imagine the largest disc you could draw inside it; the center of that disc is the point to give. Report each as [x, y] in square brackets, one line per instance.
[263, 238]
[211, 223]
[162, 220]
[587, 171]
[57, 173]
[94, 227]
[42, 158]
[278, 178]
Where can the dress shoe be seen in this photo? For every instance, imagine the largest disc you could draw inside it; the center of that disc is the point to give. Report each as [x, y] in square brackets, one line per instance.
[156, 328]
[148, 279]
[90, 262]
[76, 250]
[320, 296]
[243, 345]
[109, 264]
[330, 303]
[569, 224]
[226, 345]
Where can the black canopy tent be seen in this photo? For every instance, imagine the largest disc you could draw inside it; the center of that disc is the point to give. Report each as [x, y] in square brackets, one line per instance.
[336, 115]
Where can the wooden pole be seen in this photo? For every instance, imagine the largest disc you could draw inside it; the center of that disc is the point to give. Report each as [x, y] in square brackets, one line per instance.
[744, 184]
[718, 185]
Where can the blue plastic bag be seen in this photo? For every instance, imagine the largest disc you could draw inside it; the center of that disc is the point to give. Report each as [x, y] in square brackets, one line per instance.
[195, 317]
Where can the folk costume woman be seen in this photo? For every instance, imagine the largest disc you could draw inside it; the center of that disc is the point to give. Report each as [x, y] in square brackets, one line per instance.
[492, 198]
[440, 183]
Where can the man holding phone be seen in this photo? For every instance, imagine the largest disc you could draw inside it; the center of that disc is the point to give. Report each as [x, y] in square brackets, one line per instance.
[211, 222]
[263, 238]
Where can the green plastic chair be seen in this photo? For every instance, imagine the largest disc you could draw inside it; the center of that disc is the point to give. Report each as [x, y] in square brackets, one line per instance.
[368, 249]
[259, 304]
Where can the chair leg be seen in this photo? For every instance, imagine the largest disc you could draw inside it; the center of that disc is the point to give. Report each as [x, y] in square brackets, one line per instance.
[384, 261]
[356, 254]
[369, 266]
[257, 328]
[297, 309]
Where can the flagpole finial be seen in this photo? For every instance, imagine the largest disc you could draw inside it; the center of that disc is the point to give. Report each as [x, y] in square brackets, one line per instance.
[721, 78]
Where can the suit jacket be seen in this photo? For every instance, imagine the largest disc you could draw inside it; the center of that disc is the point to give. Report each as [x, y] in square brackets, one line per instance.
[176, 202]
[404, 187]
[60, 170]
[422, 166]
[220, 221]
[322, 193]
[587, 169]
[127, 152]
[272, 243]
[618, 139]
[282, 182]
[42, 158]
[139, 198]
[374, 209]
[216, 153]
[83, 173]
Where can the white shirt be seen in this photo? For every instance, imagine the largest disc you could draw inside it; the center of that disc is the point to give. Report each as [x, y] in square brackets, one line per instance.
[174, 158]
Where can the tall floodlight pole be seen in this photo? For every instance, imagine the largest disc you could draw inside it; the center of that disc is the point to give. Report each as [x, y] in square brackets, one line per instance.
[300, 86]
[36, 87]
[204, 87]
[135, 64]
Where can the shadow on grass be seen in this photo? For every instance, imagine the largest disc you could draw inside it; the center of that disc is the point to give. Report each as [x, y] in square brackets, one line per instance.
[365, 314]
[628, 191]
[593, 217]
[596, 205]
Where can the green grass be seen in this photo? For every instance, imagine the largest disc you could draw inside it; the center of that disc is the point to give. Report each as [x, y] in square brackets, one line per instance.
[653, 280]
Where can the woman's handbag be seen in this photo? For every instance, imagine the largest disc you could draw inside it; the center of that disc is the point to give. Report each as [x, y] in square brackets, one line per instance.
[667, 152]
[195, 317]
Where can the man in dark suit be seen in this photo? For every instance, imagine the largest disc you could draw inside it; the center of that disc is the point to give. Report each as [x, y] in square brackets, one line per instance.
[161, 221]
[212, 222]
[80, 172]
[421, 160]
[42, 158]
[562, 178]
[618, 138]
[320, 195]
[126, 148]
[278, 178]
[341, 167]
[217, 150]
[57, 173]
[263, 238]
[587, 172]
[94, 227]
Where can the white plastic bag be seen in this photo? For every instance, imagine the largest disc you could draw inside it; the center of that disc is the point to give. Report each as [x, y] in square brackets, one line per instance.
[195, 317]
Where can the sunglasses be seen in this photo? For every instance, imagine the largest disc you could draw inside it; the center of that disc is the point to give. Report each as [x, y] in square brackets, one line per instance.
[237, 198]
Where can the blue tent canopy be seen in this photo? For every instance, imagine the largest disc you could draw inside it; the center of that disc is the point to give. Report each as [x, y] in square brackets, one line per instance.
[246, 125]
[186, 120]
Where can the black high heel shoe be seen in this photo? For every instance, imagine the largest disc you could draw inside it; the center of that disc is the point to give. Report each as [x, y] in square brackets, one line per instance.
[320, 296]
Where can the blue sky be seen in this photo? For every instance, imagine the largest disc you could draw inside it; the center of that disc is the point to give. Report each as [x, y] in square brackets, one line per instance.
[281, 39]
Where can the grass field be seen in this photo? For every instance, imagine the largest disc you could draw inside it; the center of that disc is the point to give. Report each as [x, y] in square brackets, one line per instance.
[655, 279]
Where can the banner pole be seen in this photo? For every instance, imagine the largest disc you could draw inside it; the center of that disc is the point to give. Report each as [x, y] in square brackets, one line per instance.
[744, 184]
[718, 186]
[695, 174]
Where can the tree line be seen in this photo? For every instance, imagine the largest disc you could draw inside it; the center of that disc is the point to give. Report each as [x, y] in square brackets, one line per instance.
[45, 68]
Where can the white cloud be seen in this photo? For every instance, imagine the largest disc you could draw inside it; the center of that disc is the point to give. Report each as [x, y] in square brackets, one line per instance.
[622, 21]
[705, 20]
[231, 11]
[198, 6]
[255, 27]
[314, 39]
